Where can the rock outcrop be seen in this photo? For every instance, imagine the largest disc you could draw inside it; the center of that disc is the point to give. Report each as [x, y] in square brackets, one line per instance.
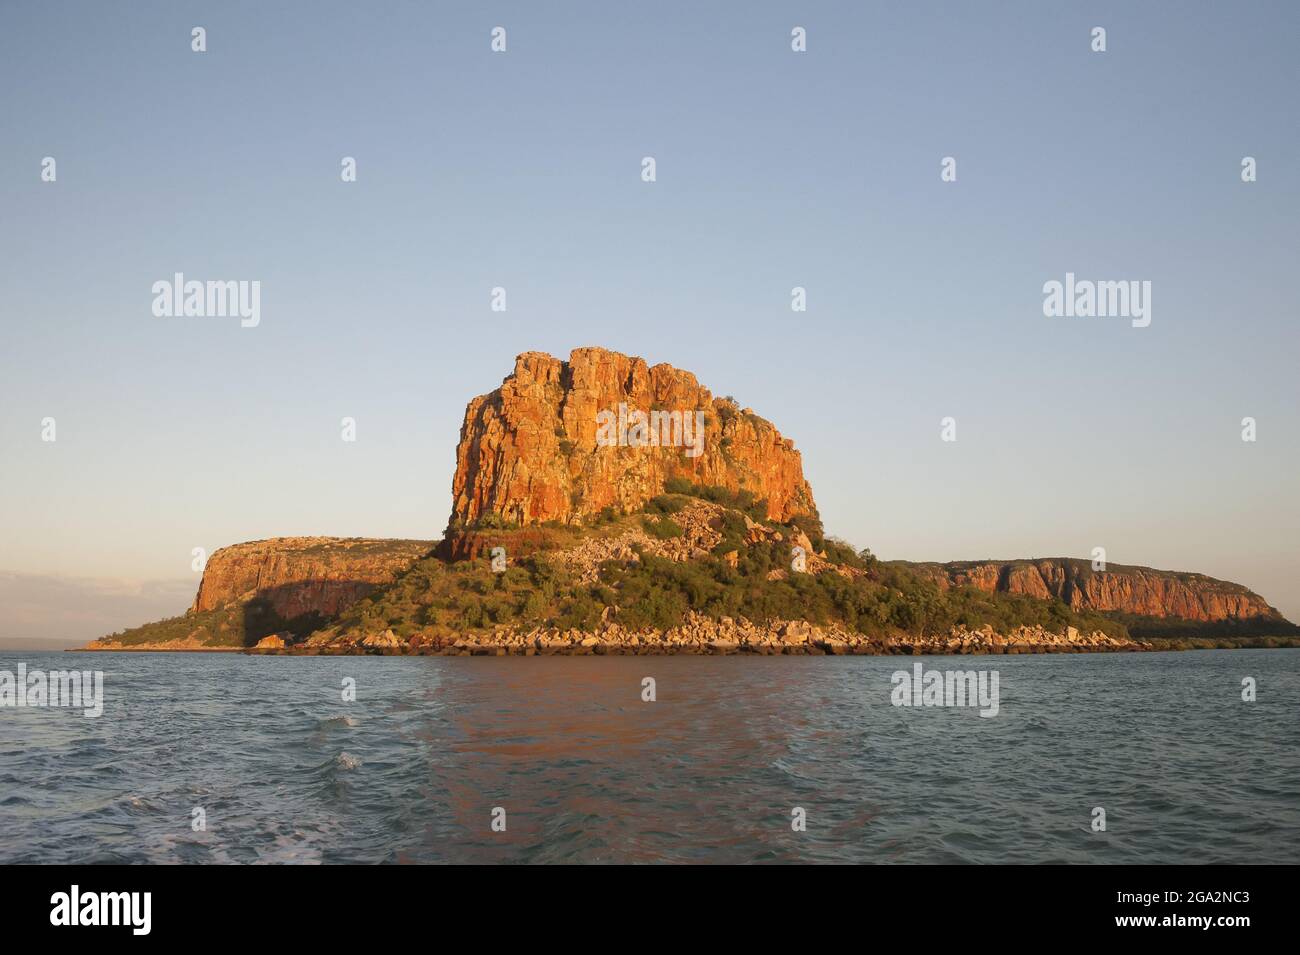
[1135, 590]
[537, 449]
[698, 522]
[300, 575]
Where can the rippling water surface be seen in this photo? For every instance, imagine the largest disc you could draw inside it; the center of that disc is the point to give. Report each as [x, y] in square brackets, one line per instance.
[587, 772]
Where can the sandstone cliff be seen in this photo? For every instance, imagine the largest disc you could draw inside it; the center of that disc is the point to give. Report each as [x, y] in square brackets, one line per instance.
[529, 451]
[299, 575]
[1133, 590]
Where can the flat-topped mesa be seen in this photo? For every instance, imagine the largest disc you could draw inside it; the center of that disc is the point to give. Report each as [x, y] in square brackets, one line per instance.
[299, 575]
[561, 441]
[1135, 590]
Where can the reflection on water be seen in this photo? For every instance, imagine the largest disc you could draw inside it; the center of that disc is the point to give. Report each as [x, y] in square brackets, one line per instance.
[285, 771]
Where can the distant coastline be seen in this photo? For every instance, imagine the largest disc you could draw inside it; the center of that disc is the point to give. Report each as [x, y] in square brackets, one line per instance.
[159, 649]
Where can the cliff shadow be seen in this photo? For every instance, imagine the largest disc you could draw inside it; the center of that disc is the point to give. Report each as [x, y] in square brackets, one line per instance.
[1228, 630]
[319, 605]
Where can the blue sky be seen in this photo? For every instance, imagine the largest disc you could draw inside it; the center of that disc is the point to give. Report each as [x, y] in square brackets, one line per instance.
[775, 169]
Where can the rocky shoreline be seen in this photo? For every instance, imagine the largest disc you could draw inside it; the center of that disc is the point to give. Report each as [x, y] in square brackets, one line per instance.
[700, 635]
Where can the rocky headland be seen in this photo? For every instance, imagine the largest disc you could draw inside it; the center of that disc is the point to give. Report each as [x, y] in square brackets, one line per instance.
[602, 505]
[1131, 590]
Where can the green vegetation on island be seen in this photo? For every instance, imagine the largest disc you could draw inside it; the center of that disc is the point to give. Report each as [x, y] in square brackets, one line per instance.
[442, 598]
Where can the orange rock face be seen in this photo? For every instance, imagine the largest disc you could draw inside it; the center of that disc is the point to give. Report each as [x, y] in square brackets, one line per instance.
[1138, 590]
[298, 575]
[552, 443]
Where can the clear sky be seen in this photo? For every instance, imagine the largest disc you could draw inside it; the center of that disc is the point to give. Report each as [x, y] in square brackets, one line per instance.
[775, 169]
